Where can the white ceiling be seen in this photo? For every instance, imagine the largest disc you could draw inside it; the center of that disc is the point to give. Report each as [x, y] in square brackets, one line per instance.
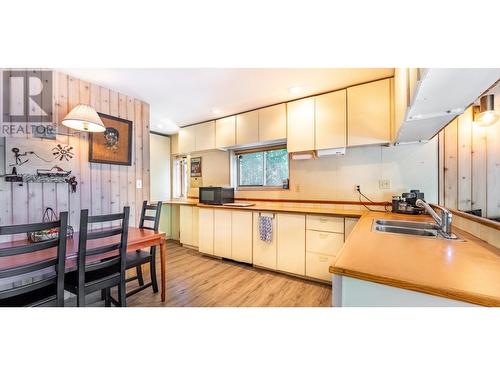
[180, 97]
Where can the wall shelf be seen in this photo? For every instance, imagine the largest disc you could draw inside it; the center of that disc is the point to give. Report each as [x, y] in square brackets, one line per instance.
[33, 178]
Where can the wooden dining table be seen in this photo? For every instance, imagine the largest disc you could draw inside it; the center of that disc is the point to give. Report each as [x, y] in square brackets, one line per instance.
[138, 238]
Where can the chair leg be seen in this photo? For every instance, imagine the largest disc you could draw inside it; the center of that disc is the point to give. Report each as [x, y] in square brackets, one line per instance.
[107, 295]
[122, 294]
[152, 267]
[80, 298]
[103, 294]
[140, 279]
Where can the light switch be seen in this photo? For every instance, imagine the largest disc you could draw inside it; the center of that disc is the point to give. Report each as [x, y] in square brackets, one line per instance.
[138, 184]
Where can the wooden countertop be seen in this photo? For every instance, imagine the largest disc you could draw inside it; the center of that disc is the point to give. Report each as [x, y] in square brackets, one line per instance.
[462, 270]
[187, 202]
[280, 208]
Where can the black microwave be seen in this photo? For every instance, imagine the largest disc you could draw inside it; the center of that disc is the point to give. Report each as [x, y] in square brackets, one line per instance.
[216, 195]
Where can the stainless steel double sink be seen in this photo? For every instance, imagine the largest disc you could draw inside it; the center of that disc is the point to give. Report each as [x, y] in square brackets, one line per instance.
[413, 228]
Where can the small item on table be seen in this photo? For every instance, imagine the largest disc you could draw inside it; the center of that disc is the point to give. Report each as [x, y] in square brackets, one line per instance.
[48, 234]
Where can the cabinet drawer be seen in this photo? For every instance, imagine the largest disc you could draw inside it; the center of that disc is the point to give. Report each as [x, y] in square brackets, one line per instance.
[325, 223]
[324, 242]
[317, 266]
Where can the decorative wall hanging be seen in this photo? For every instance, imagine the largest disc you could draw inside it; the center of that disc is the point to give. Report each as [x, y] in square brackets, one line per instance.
[31, 160]
[114, 145]
[196, 167]
[72, 183]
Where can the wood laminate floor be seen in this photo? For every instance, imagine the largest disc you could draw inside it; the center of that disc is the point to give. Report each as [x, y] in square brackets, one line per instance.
[201, 281]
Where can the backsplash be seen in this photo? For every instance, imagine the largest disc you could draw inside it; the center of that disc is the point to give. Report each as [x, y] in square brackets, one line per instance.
[333, 178]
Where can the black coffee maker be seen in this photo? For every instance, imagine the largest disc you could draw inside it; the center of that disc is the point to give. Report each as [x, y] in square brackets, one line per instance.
[407, 203]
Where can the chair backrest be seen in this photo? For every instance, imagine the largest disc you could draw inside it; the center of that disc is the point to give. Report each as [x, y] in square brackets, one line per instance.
[153, 218]
[110, 250]
[45, 258]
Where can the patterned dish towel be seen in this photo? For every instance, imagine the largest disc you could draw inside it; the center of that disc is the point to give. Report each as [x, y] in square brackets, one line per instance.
[266, 228]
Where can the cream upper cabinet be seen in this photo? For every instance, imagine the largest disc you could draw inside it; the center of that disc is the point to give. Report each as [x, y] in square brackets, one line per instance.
[187, 140]
[206, 230]
[247, 128]
[331, 120]
[272, 123]
[264, 253]
[222, 233]
[174, 144]
[241, 228]
[300, 125]
[198, 137]
[291, 250]
[205, 136]
[225, 132]
[369, 113]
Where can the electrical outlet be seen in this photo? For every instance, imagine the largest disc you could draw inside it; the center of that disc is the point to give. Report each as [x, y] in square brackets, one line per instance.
[384, 184]
[138, 184]
[297, 188]
[357, 188]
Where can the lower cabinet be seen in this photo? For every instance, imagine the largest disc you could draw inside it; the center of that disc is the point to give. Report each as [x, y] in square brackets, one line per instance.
[196, 221]
[226, 233]
[301, 244]
[324, 242]
[241, 236]
[291, 250]
[264, 253]
[222, 233]
[186, 225]
[324, 239]
[206, 230]
[350, 222]
[318, 265]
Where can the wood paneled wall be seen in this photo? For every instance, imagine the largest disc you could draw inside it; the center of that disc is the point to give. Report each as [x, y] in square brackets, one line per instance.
[102, 188]
[469, 166]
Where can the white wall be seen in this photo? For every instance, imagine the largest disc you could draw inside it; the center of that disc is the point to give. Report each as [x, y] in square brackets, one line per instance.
[333, 178]
[160, 167]
[215, 167]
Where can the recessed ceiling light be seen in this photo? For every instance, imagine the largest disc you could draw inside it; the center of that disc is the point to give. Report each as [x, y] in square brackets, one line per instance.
[294, 90]
[216, 111]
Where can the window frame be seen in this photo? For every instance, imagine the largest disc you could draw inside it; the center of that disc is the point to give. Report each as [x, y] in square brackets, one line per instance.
[180, 178]
[237, 153]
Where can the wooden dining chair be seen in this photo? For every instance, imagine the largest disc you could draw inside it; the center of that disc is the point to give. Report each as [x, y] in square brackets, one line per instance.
[47, 264]
[137, 258]
[102, 266]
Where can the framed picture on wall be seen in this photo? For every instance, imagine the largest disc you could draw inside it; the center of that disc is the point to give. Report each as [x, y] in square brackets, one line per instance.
[196, 167]
[114, 145]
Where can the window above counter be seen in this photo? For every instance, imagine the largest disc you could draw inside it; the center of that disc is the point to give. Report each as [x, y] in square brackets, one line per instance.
[262, 168]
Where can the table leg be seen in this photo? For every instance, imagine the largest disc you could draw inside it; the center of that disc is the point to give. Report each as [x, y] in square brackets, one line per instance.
[163, 270]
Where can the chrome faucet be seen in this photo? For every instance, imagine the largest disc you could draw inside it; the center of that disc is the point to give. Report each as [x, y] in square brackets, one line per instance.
[444, 221]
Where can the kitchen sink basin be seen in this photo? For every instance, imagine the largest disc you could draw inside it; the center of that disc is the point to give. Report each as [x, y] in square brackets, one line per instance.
[406, 230]
[407, 224]
[412, 228]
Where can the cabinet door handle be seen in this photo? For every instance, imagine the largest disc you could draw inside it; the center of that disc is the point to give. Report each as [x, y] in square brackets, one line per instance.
[323, 259]
[323, 220]
[323, 235]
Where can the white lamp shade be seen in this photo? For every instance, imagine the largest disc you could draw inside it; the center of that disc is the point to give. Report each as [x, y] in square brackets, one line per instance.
[84, 118]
